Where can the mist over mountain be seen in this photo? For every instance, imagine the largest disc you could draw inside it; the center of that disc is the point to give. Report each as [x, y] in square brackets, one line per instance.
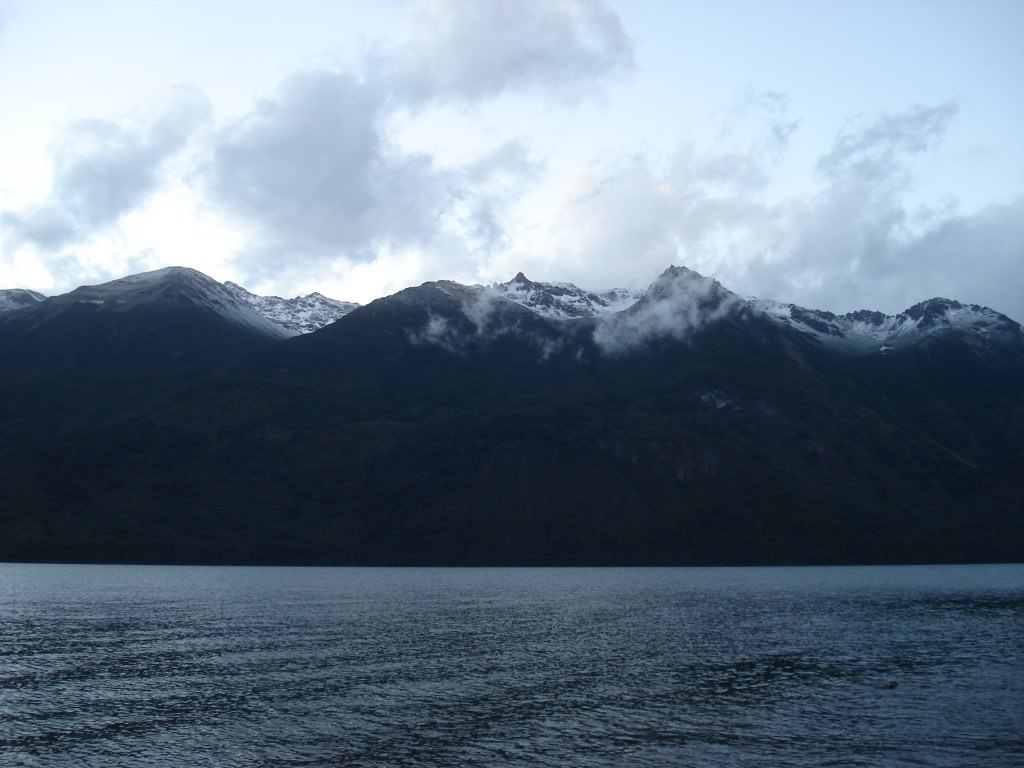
[166, 417]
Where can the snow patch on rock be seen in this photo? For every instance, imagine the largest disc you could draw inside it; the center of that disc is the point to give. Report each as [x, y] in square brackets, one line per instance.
[564, 301]
[865, 331]
[301, 314]
[173, 285]
[18, 298]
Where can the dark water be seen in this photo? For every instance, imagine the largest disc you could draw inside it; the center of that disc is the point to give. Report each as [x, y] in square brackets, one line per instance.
[103, 665]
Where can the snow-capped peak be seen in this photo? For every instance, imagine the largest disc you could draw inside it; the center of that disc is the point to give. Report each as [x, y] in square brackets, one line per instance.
[172, 285]
[680, 284]
[269, 314]
[564, 300]
[301, 314]
[867, 331]
[17, 298]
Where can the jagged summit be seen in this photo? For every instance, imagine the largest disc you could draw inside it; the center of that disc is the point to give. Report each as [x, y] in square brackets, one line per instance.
[869, 331]
[678, 301]
[681, 301]
[301, 314]
[555, 301]
[683, 284]
[933, 309]
[949, 313]
[564, 300]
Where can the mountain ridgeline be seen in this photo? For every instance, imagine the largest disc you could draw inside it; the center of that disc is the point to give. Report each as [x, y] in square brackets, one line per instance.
[166, 417]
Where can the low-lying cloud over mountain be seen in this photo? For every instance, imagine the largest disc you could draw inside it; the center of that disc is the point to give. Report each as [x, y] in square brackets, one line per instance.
[679, 303]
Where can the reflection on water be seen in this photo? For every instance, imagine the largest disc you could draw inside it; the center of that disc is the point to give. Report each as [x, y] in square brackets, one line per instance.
[123, 665]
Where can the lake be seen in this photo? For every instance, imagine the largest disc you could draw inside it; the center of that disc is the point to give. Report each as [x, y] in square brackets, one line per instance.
[151, 665]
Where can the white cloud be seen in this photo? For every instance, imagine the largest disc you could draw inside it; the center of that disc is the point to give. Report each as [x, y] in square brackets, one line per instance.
[314, 187]
[857, 242]
[860, 242]
[311, 172]
[676, 305]
[470, 50]
[877, 151]
[103, 170]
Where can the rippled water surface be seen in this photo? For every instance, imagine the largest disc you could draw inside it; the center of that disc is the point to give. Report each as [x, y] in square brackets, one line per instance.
[107, 665]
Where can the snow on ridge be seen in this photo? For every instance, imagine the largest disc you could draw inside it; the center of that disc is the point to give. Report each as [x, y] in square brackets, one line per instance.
[555, 301]
[564, 301]
[126, 289]
[173, 285]
[269, 314]
[301, 314]
[157, 275]
[678, 298]
[866, 331]
[17, 298]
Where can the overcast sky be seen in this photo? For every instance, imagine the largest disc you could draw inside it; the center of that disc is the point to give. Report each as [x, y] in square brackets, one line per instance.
[840, 155]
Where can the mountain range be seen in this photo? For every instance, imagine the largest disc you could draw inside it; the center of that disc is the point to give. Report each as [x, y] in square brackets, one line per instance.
[166, 417]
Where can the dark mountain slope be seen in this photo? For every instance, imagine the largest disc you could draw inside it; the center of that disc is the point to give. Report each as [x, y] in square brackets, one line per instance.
[452, 425]
[99, 352]
[447, 425]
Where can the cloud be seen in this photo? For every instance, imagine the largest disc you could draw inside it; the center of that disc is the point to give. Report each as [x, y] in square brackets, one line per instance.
[310, 169]
[977, 259]
[469, 50]
[850, 246]
[313, 173]
[48, 226]
[857, 242]
[482, 190]
[765, 114]
[310, 174]
[620, 227]
[856, 249]
[438, 332]
[313, 170]
[708, 208]
[861, 243]
[103, 170]
[676, 305]
[780, 126]
[873, 152]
